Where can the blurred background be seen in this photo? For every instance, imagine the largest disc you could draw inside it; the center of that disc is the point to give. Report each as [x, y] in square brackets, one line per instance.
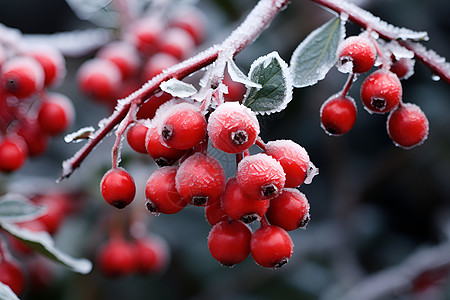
[380, 215]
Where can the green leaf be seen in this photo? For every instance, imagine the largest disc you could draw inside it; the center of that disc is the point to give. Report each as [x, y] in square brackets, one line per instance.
[6, 293]
[43, 243]
[316, 55]
[17, 208]
[272, 73]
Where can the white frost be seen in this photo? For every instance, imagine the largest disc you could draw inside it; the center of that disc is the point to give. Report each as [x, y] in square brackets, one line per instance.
[238, 76]
[79, 135]
[178, 88]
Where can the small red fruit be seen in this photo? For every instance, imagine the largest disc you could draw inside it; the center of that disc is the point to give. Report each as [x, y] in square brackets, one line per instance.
[123, 55]
[229, 242]
[12, 275]
[144, 34]
[117, 187]
[176, 42]
[136, 137]
[338, 115]
[152, 254]
[52, 62]
[359, 51]
[214, 213]
[190, 19]
[56, 114]
[157, 63]
[13, 153]
[403, 67]
[407, 125]
[117, 257]
[161, 154]
[22, 76]
[271, 246]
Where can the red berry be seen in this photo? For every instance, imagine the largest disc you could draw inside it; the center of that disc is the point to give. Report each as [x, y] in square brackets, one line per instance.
[293, 158]
[161, 193]
[136, 137]
[229, 242]
[157, 63]
[144, 34]
[148, 109]
[12, 275]
[381, 91]
[13, 153]
[260, 176]
[200, 179]
[123, 55]
[161, 154]
[232, 127]
[240, 206]
[56, 114]
[358, 51]
[338, 115]
[117, 257]
[117, 187]
[403, 67]
[22, 76]
[271, 246]
[183, 126]
[289, 210]
[35, 138]
[55, 205]
[190, 19]
[99, 79]
[407, 125]
[236, 90]
[176, 42]
[152, 254]
[214, 213]
[52, 62]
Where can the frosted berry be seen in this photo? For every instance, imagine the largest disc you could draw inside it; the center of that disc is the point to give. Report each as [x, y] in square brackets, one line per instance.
[358, 51]
[136, 135]
[229, 242]
[99, 79]
[52, 62]
[236, 90]
[117, 187]
[260, 176]
[22, 76]
[56, 114]
[157, 63]
[338, 115]
[124, 55]
[381, 91]
[232, 127]
[240, 206]
[271, 246]
[289, 210]
[407, 125]
[190, 19]
[293, 158]
[12, 275]
[148, 109]
[117, 257]
[183, 126]
[403, 67]
[176, 42]
[161, 193]
[13, 153]
[200, 179]
[161, 154]
[152, 254]
[35, 138]
[214, 213]
[144, 34]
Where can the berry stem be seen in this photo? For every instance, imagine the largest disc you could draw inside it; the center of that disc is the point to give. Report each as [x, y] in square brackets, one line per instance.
[129, 118]
[260, 143]
[348, 84]
[264, 222]
[257, 20]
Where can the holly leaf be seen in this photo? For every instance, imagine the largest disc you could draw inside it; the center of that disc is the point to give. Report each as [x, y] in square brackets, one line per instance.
[17, 208]
[6, 293]
[178, 88]
[43, 243]
[316, 54]
[272, 73]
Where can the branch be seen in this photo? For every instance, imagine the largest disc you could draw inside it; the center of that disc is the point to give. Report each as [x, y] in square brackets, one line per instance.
[255, 23]
[389, 32]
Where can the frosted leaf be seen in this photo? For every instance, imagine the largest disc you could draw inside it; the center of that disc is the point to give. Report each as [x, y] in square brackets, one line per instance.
[178, 88]
[6, 293]
[95, 11]
[43, 243]
[272, 73]
[79, 135]
[238, 76]
[17, 208]
[316, 55]
[311, 173]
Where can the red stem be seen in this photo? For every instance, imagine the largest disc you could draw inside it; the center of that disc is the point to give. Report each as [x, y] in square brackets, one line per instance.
[348, 84]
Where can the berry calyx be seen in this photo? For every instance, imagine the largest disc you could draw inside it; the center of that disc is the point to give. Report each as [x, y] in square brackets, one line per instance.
[289, 210]
[232, 127]
[117, 187]
[358, 51]
[260, 176]
[381, 91]
[293, 158]
[161, 193]
[407, 125]
[229, 242]
[117, 257]
[338, 115]
[271, 246]
[200, 179]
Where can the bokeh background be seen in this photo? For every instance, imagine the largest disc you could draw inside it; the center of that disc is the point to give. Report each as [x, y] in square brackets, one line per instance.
[379, 213]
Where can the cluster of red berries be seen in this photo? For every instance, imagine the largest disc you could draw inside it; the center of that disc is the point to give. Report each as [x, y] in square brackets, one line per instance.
[147, 46]
[119, 257]
[381, 92]
[29, 113]
[262, 189]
